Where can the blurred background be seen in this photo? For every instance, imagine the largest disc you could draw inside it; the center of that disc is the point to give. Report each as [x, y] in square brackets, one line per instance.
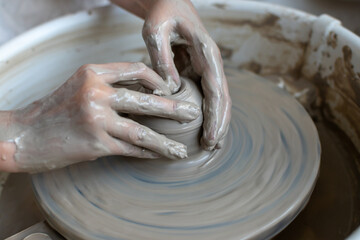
[17, 16]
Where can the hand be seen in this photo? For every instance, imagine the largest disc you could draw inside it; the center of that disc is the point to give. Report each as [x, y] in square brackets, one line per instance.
[80, 121]
[170, 22]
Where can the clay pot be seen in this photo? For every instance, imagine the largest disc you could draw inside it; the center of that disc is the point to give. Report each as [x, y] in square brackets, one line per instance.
[186, 133]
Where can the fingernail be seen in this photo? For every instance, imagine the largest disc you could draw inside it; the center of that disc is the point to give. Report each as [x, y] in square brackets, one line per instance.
[205, 146]
[209, 148]
[171, 83]
[178, 150]
[158, 92]
[188, 111]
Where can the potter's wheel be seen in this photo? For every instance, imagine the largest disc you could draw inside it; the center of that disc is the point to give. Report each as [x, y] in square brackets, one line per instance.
[252, 188]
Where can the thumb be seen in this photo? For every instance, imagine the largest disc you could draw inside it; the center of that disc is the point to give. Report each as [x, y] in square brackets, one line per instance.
[159, 48]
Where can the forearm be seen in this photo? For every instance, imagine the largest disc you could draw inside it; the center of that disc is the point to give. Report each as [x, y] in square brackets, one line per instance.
[136, 7]
[139, 8]
[7, 143]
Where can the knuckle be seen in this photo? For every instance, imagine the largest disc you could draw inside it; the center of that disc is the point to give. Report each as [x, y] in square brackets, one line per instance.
[122, 92]
[152, 35]
[146, 30]
[87, 71]
[88, 117]
[150, 29]
[137, 136]
[144, 100]
[85, 68]
[90, 97]
[130, 150]
[90, 94]
[139, 66]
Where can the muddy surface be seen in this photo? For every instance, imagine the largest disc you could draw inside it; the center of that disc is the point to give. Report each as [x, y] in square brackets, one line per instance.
[340, 94]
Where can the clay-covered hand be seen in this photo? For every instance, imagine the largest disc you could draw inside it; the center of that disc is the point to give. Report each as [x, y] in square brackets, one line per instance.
[81, 121]
[176, 21]
[169, 22]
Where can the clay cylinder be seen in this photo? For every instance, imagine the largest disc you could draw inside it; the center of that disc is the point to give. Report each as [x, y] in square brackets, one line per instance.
[186, 133]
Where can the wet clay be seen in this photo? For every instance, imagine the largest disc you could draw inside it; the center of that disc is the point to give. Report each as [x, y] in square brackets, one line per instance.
[331, 214]
[340, 94]
[186, 133]
[251, 188]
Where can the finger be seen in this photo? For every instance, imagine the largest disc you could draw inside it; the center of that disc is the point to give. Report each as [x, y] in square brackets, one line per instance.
[159, 47]
[127, 101]
[207, 62]
[217, 103]
[125, 149]
[126, 73]
[133, 133]
[116, 146]
[217, 111]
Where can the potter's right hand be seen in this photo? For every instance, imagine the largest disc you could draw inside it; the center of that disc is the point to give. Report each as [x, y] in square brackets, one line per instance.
[80, 120]
[176, 22]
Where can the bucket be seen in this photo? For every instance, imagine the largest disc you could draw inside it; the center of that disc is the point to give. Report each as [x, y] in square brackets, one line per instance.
[314, 58]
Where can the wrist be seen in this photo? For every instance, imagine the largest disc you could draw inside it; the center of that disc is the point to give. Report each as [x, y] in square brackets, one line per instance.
[140, 8]
[136, 7]
[7, 143]
[14, 125]
[7, 157]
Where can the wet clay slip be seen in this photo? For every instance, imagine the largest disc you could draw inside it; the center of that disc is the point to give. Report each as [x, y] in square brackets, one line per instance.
[188, 133]
[252, 187]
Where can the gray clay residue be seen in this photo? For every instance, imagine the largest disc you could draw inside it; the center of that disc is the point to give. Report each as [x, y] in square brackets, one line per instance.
[264, 174]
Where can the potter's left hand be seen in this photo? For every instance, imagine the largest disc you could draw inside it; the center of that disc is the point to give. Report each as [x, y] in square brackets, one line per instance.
[176, 21]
